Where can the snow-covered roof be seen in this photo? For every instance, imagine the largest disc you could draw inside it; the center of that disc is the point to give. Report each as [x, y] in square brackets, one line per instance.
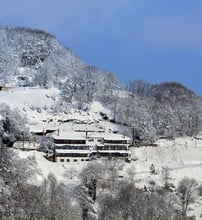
[41, 127]
[69, 136]
[95, 135]
[86, 127]
[108, 136]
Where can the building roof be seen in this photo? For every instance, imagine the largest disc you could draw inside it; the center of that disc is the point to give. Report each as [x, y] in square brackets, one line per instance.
[82, 136]
[108, 136]
[41, 127]
[69, 136]
[87, 127]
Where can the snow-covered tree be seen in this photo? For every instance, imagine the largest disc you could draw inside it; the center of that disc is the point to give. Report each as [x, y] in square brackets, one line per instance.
[127, 202]
[56, 202]
[15, 172]
[139, 87]
[12, 126]
[187, 191]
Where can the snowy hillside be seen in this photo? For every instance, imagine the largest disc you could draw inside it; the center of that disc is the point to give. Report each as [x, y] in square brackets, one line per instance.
[54, 90]
[182, 156]
[26, 97]
[33, 57]
[42, 108]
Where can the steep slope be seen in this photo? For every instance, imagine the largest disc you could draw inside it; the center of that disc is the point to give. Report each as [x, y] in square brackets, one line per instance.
[43, 108]
[31, 57]
[48, 82]
[34, 58]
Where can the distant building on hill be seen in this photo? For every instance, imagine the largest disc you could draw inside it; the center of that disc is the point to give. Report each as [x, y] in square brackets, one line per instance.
[84, 146]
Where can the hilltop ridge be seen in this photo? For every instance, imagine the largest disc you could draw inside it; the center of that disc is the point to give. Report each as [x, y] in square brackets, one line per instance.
[34, 59]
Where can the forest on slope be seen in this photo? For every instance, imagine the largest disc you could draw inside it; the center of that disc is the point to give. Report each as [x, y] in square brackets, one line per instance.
[35, 58]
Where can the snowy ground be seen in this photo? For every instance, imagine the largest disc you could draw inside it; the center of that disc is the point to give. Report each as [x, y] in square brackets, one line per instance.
[43, 108]
[183, 156]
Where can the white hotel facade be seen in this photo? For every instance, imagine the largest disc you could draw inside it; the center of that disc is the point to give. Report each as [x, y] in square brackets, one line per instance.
[83, 146]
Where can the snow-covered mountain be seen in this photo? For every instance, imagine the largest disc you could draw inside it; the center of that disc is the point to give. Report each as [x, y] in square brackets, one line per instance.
[45, 80]
[52, 88]
[28, 55]
[34, 57]
[59, 83]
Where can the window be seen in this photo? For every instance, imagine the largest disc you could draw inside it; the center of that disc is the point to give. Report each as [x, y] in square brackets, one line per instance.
[74, 147]
[69, 141]
[71, 154]
[62, 160]
[115, 141]
[75, 160]
[67, 160]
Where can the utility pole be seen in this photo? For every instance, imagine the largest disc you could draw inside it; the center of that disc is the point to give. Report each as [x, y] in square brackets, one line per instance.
[133, 135]
[23, 140]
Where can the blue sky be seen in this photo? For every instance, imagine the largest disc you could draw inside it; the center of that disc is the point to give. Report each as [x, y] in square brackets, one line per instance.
[151, 40]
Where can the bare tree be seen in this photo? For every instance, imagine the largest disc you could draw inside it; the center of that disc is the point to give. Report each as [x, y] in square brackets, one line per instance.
[166, 176]
[15, 172]
[86, 192]
[131, 171]
[127, 202]
[138, 87]
[70, 172]
[187, 192]
[56, 202]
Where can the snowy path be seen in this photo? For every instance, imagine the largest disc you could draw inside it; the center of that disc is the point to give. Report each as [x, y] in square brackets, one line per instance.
[185, 166]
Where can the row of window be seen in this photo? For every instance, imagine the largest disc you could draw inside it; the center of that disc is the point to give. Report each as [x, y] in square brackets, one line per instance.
[65, 141]
[106, 147]
[116, 141]
[98, 140]
[70, 147]
[112, 147]
[103, 154]
[71, 155]
[74, 160]
[106, 154]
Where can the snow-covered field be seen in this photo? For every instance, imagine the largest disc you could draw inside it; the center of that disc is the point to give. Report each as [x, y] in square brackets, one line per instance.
[43, 105]
[183, 156]
[21, 97]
